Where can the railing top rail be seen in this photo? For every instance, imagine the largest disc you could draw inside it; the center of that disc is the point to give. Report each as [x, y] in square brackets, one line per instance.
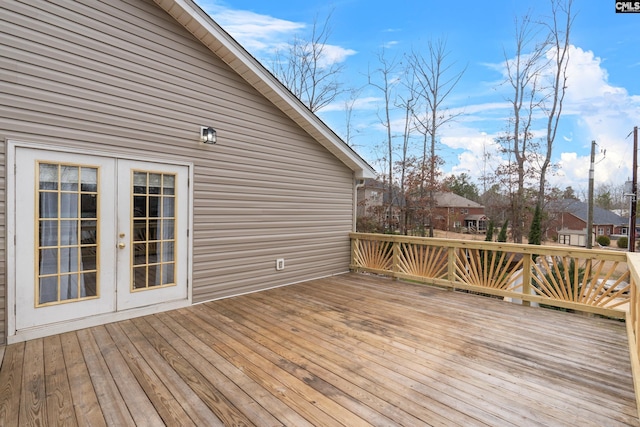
[606, 255]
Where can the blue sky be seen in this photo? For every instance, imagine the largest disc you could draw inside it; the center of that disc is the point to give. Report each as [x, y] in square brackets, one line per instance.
[603, 95]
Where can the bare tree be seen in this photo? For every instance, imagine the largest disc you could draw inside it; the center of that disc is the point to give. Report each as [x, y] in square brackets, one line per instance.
[385, 83]
[559, 32]
[306, 71]
[436, 80]
[406, 103]
[537, 77]
[523, 74]
[349, 105]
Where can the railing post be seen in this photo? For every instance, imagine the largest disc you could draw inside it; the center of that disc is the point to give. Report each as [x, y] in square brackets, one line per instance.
[354, 253]
[526, 279]
[395, 261]
[451, 267]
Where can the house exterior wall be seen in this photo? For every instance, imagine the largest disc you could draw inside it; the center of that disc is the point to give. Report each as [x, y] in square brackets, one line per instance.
[571, 222]
[568, 221]
[124, 77]
[446, 218]
[371, 200]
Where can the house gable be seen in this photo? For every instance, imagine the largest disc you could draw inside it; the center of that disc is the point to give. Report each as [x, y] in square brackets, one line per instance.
[205, 29]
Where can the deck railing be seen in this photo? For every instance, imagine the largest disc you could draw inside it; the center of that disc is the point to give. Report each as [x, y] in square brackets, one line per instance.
[593, 281]
[587, 280]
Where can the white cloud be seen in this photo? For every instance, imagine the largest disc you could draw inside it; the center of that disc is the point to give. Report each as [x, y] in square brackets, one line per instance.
[370, 103]
[258, 33]
[602, 112]
[594, 109]
[334, 55]
[390, 44]
[588, 80]
[263, 35]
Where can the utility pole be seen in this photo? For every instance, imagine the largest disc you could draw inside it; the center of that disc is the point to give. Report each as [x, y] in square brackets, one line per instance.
[634, 193]
[589, 241]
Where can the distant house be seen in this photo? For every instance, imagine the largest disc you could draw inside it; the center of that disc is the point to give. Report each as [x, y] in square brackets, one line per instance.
[371, 197]
[569, 222]
[456, 213]
[452, 212]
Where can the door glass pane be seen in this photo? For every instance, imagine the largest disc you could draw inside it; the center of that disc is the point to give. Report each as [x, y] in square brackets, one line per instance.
[48, 204]
[48, 289]
[168, 271]
[168, 207]
[153, 229]
[48, 261]
[88, 233]
[90, 284]
[67, 244]
[140, 254]
[48, 233]
[89, 258]
[155, 183]
[69, 178]
[48, 177]
[139, 206]
[140, 182]
[167, 251]
[168, 227]
[88, 205]
[168, 184]
[154, 276]
[89, 179]
[68, 287]
[69, 260]
[139, 230]
[140, 277]
[153, 236]
[69, 205]
[68, 232]
[154, 206]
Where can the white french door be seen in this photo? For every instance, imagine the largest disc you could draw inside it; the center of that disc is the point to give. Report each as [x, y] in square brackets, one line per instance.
[96, 235]
[152, 228]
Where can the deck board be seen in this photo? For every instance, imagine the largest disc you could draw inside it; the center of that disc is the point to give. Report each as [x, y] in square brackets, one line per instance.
[11, 384]
[347, 350]
[59, 400]
[85, 400]
[33, 399]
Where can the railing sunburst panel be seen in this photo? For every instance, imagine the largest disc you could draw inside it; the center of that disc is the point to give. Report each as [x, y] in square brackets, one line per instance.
[489, 269]
[423, 261]
[374, 254]
[593, 282]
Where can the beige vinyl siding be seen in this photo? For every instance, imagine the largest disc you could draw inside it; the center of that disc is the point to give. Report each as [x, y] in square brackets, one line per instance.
[125, 78]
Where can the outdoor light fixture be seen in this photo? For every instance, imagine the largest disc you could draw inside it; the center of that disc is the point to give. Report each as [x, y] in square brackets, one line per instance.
[208, 135]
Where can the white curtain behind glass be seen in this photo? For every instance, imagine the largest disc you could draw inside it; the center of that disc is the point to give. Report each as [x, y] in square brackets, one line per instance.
[59, 219]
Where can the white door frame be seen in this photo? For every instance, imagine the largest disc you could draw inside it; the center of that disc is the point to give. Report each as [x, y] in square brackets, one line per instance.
[14, 335]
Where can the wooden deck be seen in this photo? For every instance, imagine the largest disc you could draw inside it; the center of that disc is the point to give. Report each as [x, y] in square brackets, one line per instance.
[349, 350]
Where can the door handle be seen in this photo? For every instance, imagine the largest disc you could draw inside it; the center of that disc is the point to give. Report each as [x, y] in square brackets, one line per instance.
[121, 245]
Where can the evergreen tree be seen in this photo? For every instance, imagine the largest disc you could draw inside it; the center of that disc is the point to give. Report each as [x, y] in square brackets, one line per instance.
[502, 236]
[489, 237]
[535, 232]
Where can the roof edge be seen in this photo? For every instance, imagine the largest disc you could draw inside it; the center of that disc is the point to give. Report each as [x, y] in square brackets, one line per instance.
[215, 38]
